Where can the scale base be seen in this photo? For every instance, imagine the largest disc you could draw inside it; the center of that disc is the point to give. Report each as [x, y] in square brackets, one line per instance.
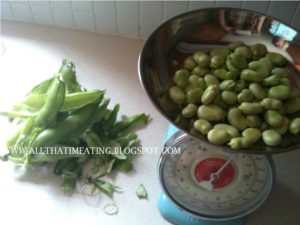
[173, 214]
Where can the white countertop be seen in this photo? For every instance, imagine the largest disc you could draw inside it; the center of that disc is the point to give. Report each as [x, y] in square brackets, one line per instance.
[34, 53]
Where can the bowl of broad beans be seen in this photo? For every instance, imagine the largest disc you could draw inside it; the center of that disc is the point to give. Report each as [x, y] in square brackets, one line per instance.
[226, 76]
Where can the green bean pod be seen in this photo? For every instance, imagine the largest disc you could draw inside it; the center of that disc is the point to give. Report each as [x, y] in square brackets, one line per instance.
[74, 123]
[55, 100]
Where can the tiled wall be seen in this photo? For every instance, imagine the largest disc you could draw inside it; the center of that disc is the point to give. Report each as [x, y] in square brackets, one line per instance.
[130, 18]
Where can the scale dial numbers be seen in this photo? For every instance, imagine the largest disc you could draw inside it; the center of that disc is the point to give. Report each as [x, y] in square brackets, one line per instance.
[250, 181]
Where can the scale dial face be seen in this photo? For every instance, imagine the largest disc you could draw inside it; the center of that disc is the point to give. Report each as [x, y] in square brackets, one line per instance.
[240, 187]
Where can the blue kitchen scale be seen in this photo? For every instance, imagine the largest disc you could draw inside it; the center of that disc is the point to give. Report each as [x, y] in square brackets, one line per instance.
[204, 185]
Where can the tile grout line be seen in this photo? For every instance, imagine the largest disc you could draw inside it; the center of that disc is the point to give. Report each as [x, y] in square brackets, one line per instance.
[189, 5]
[72, 13]
[117, 18]
[139, 19]
[31, 12]
[12, 11]
[94, 15]
[51, 13]
[269, 8]
[295, 13]
[163, 13]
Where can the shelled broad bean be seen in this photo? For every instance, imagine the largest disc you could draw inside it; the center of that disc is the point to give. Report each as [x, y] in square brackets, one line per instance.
[237, 95]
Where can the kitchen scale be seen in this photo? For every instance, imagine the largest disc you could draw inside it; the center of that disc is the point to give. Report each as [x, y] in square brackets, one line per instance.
[204, 185]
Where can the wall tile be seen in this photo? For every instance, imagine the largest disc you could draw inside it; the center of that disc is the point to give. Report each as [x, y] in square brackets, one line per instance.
[6, 12]
[128, 26]
[261, 6]
[63, 17]
[61, 4]
[42, 15]
[147, 27]
[84, 20]
[82, 5]
[201, 4]
[22, 12]
[104, 6]
[40, 3]
[174, 8]
[233, 4]
[106, 22]
[131, 18]
[128, 8]
[151, 10]
[276, 9]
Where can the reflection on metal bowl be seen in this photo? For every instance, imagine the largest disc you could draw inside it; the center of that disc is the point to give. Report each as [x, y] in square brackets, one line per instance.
[207, 29]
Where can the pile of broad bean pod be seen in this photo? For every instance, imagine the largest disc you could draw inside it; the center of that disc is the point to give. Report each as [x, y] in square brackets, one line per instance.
[237, 95]
[59, 113]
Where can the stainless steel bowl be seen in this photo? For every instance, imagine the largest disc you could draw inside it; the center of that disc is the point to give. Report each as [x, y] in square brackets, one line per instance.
[206, 29]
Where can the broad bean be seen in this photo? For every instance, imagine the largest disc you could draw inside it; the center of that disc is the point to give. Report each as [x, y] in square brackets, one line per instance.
[218, 136]
[237, 119]
[211, 112]
[203, 126]
[271, 137]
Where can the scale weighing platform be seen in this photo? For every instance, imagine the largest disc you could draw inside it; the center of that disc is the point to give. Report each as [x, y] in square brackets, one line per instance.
[204, 185]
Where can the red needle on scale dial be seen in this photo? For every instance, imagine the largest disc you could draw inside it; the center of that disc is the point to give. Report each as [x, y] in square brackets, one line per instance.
[208, 184]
